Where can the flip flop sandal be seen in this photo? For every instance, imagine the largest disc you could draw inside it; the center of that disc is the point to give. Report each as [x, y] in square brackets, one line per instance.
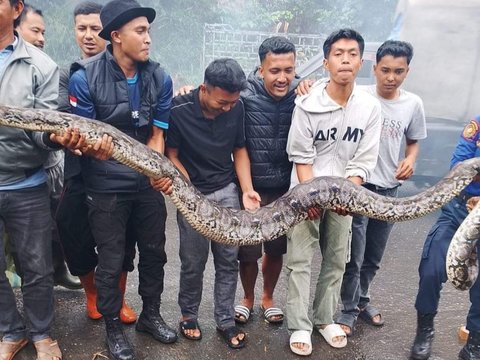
[232, 332]
[270, 314]
[8, 349]
[190, 324]
[332, 331]
[301, 337]
[244, 311]
[368, 313]
[347, 319]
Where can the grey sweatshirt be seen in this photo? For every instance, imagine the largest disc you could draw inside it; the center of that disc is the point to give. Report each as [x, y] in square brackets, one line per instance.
[335, 140]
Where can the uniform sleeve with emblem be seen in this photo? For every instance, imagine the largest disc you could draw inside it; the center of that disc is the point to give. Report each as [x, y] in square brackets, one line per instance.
[467, 145]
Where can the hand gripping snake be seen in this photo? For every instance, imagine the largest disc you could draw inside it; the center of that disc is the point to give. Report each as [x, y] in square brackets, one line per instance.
[240, 227]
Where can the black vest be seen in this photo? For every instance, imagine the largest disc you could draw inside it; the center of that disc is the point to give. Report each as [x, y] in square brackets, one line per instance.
[267, 123]
[109, 92]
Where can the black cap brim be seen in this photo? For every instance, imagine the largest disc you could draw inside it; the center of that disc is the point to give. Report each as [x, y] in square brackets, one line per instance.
[124, 18]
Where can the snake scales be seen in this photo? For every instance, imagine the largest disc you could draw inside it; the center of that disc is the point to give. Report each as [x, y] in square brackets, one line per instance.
[461, 264]
[236, 227]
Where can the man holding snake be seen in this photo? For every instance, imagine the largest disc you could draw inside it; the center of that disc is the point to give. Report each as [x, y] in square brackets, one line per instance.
[432, 266]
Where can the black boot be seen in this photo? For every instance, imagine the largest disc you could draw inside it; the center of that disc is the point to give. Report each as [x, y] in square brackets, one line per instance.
[62, 277]
[118, 345]
[471, 350]
[150, 321]
[422, 346]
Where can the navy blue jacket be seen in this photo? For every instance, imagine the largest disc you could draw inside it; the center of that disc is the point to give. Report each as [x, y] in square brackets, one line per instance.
[267, 122]
[107, 100]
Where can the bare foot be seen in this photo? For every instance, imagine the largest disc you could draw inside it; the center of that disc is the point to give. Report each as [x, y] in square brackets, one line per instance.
[237, 339]
[301, 343]
[248, 303]
[301, 346]
[377, 319]
[336, 339]
[268, 303]
[346, 329]
[194, 333]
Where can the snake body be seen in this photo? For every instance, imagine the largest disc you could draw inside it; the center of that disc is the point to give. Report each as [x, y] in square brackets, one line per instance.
[462, 263]
[240, 227]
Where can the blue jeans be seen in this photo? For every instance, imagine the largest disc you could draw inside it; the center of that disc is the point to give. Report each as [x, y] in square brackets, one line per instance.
[25, 216]
[194, 250]
[432, 266]
[369, 239]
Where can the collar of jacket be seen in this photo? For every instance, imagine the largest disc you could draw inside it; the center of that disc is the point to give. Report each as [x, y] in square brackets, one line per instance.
[145, 68]
[20, 50]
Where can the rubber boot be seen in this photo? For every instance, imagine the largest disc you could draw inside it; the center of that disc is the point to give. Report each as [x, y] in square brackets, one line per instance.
[471, 350]
[119, 347]
[88, 283]
[127, 314]
[422, 345]
[151, 322]
[62, 277]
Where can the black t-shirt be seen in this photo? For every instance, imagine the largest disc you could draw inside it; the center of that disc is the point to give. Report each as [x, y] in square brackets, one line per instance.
[205, 146]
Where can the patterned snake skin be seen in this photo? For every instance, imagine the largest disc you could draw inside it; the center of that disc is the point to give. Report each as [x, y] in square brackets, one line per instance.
[462, 264]
[235, 227]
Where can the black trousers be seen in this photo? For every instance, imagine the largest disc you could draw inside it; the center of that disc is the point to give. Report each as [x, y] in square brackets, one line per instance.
[74, 231]
[110, 215]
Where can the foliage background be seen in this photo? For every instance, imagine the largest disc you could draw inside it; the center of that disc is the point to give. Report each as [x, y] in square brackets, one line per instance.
[178, 29]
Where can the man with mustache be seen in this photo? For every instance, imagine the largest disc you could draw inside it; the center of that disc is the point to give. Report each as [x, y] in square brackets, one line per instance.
[72, 213]
[269, 102]
[124, 88]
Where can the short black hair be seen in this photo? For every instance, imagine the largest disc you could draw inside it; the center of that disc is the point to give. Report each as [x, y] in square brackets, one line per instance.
[87, 8]
[343, 34]
[395, 48]
[275, 45]
[226, 74]
[26, 9]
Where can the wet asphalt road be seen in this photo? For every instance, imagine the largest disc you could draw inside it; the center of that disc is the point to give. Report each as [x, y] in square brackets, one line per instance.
[393, 292]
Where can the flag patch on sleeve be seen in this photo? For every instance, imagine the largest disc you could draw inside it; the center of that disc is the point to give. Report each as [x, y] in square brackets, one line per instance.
[73, 100]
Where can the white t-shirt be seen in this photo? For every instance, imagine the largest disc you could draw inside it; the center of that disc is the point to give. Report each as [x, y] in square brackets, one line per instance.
[402, 116]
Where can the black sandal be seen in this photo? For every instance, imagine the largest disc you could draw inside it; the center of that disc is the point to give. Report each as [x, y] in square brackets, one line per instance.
[349, 320]
[232, 332]
[368, 313]
[190, 324]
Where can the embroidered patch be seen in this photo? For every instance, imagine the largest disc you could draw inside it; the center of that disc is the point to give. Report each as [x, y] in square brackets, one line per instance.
[470, 130]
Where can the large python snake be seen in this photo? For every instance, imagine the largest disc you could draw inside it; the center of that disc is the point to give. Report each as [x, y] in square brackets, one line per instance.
[461, 262]
[240, 227]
